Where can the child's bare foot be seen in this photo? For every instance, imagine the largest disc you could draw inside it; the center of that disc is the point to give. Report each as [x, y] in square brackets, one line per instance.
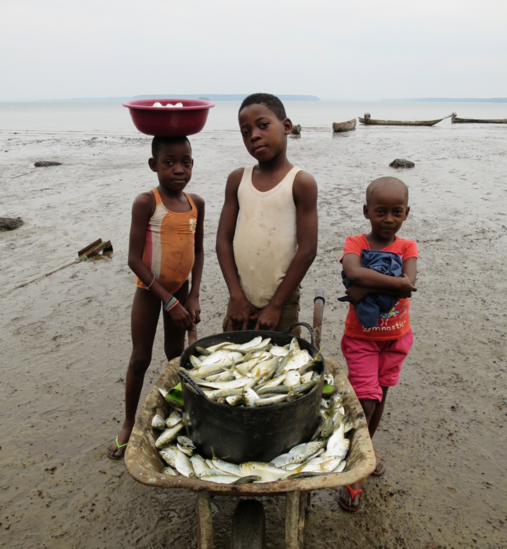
[380, 468]
[119, 446]
[350, 497]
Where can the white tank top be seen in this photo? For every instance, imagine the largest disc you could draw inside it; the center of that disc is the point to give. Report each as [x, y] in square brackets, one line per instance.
[265, 241]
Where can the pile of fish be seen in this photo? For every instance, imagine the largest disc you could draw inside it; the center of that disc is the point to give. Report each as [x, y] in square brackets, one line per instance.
[256, 373]
[324, 454]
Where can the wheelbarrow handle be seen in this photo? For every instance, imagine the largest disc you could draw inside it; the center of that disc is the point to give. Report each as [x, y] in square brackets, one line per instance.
[306, 325]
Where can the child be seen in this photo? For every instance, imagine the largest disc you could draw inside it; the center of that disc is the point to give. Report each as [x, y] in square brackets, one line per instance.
[166, 244]
[374, 355]
[268, 230]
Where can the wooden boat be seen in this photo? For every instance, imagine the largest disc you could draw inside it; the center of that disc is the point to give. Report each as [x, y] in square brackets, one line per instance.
[344, 126]
[373, 122]
[456, 120]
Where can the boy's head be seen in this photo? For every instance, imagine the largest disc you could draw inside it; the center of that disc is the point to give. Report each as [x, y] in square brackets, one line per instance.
[264, 126]
[172, 161]
[386, 206]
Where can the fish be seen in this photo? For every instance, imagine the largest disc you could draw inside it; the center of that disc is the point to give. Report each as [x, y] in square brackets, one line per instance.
[321, 465]
[294, 345]
[267, 472]
[158, 422]
[305, 378]
[264, 368]
[276, 399]
[220, 479]
[250, 397]
[183, 465]
[185, 445]
[253, 343]
[281, 389]
[224, 393]
[234, 400]
[235, 384]
[226, 467]
[169, 471]
[202, 351]
[199, 464]
[298, 360]
[169, 455]
[308, 448]
[194, 361]
[274, 382]
[340, 467]
[246, 480]
[217, 347]
[288, 459]
[168, 436]
[173, 419]
[292, 378]
[279, 351]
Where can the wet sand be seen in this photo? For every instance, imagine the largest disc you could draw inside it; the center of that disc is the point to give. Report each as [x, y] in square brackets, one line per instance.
[65, 340]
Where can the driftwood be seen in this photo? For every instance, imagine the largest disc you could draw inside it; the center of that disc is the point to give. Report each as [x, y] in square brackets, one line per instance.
[10, 223]
[344, 126]
[46, 164]
[296, 130]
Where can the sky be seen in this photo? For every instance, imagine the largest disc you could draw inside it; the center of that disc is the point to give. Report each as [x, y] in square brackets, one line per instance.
[353, 50]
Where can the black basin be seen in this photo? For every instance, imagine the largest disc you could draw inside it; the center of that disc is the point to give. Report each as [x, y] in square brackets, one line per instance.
[240, 434]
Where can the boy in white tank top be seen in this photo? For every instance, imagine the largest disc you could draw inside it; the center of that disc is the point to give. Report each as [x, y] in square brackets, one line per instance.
[268, 230]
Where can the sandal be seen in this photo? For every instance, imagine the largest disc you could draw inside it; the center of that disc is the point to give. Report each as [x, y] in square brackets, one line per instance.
[111, 453]
[379, 470]
[353, 494]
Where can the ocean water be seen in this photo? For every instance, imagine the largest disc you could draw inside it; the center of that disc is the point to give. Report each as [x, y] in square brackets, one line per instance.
[113, 119]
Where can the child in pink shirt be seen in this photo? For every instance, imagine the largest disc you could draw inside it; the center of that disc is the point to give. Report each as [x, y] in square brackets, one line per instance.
[374, 355]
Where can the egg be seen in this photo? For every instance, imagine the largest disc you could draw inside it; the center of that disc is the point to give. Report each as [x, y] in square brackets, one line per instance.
[170, 106]
[157, 104]
[179, 105]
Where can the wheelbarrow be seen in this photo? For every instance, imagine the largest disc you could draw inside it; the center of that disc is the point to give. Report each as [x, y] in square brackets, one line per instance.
[248, 528]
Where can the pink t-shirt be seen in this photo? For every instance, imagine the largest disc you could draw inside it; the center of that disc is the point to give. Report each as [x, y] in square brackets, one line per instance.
[394, 324]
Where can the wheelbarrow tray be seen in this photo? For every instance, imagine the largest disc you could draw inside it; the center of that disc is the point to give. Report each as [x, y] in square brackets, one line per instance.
[145, 465]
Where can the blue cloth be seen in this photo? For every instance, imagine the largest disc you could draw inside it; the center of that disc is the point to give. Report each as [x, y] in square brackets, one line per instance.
[369, 309]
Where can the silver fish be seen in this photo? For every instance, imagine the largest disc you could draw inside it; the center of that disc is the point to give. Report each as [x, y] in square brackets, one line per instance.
[270, 400]
[266, 471]
[298, 360]
[198, 464]
[288, 459]
[253, 343]
[274, 382]
[294, 345]
[220, 479]
[169, 455]
[340, 467]
[305, 378]
[173, 419]
[158, 422]
[169, 471]
[234, 400]
[215, 348]
[292, 378]
[226, 467]
[183, 465]
[250, 397]
[194, 361]
[185, 445]
[279, 351]
[308, 448]
[168, 436]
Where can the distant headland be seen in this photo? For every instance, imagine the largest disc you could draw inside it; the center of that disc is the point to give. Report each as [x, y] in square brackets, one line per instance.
[453, 100]
[207, 96]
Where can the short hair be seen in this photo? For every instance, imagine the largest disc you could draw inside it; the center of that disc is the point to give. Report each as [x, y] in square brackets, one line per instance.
[158, 141]
[383, 182]
[271, 101]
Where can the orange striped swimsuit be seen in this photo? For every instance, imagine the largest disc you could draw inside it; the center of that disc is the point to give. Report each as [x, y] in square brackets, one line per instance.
[169, 247]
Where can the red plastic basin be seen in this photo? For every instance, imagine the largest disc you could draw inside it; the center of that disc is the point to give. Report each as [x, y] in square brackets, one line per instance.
[169, 122]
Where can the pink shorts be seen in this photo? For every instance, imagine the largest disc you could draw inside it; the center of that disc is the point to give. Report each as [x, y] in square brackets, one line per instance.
[375, 364]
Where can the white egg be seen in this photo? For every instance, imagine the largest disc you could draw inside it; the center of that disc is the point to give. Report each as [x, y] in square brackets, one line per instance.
[157, 104]
[169, 106]
[179, 105]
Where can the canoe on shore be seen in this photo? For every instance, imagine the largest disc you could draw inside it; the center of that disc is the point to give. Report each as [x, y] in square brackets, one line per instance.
[344, 126]
[373, 122]
[456, 120]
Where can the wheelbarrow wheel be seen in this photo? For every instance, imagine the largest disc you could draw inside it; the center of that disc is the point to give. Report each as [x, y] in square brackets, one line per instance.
[249, 526]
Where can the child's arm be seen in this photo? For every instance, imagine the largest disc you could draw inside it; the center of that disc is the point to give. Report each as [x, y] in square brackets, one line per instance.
[240, 309]
[307, 228]
[192, 304]
[142, 210]
[365, 281]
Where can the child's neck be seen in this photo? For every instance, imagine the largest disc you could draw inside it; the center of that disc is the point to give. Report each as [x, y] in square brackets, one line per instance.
[376, 242]
[175, 201]
[267, 175]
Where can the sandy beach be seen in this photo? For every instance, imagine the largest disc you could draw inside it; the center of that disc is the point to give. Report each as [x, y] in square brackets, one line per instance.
[65, 340]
